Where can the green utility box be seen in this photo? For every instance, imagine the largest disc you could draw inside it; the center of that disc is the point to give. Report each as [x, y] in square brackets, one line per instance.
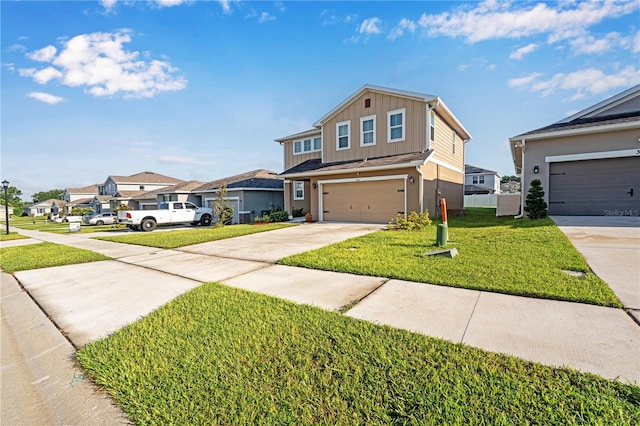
[442, 235]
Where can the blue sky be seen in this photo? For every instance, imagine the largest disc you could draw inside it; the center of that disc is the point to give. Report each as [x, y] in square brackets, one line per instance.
[200, 89]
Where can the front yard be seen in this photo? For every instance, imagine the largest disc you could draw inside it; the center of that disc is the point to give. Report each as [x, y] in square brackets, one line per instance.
[44, 255]
[500, 254]
[219, 355]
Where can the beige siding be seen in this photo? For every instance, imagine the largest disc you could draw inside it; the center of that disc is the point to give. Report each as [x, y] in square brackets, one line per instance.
[291, 160]
[290, 203]
[443, 145]
[415, 130]
[440, 181]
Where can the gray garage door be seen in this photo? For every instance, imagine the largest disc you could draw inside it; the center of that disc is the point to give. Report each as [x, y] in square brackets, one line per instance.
[607, 187]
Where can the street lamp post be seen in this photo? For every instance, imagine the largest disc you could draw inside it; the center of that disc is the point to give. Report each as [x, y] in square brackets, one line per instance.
[5, 186]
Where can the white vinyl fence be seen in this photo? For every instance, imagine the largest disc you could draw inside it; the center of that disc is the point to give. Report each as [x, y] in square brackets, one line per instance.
[481, 200]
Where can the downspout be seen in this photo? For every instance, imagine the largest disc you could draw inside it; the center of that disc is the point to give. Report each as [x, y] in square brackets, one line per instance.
[420, 188]
[428, 146]
[521, 215]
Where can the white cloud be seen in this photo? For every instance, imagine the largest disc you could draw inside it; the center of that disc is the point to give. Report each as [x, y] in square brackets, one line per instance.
[266, 17]
[496, 20]
[404, 25]
[582, 82]
[108, 5]
[16, 47]
[525, 50]
[169, 3]
[45, 54]
[99, 62]
[370, 26]
[46, 97]
[523, 81]
[226, 6]
[588, 44]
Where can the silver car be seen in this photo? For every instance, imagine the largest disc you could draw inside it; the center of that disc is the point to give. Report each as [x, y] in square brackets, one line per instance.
[102, 219]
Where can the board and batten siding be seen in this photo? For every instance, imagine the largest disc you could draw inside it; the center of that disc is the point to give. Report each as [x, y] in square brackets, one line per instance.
[415, 128]
[443, 145]
[291, 160]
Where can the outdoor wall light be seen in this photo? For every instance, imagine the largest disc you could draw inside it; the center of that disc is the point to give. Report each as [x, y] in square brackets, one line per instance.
[315, 185]
[536, 169]
[411, 179]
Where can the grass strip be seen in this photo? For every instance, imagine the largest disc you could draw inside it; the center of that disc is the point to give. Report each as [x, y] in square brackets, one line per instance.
[44, 255]
[174, 239]
[499, 254]
[11, 236]
[219, 355]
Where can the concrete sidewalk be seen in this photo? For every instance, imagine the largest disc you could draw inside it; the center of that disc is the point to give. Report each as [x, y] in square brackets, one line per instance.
[40, 382]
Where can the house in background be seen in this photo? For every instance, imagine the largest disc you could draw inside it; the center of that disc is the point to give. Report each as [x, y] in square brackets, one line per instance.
[143, 181]
[480, 181]
[379, 153]
[588, 163]
[251, 194]
[74, 194]
[180, 192]
[3, 212]
[42, 208]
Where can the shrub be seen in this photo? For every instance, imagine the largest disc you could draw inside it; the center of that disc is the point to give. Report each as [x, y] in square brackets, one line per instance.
[279, 216]
[263, 219]
[535, 206]
[297, 212]
[413, 222]
[308, 217]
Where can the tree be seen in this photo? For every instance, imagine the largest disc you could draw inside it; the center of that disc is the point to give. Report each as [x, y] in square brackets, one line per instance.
[52, 194]
[535, 206]
[222, 211]
[81, 211]
[14, 194]
[506, 179]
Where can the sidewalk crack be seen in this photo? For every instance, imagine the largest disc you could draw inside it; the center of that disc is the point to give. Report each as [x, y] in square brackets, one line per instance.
[464, 333]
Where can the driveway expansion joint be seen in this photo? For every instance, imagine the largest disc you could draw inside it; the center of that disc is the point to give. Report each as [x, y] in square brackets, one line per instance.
[464, 333]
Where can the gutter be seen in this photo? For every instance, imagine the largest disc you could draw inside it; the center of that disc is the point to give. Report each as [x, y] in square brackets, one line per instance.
[353, 170]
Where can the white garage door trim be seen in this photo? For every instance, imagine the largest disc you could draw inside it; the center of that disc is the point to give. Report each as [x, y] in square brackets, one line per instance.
[592, 156]
[363, 179]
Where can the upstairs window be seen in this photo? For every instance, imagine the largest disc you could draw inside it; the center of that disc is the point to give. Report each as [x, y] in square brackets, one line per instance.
[343, 130]
[368, 130]
[307, 145]
[298, 190]
[432, 126]
[141, 187]
[396, 125]
[478, 179]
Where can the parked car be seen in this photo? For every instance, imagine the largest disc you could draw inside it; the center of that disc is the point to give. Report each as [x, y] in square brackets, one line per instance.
[101, 219]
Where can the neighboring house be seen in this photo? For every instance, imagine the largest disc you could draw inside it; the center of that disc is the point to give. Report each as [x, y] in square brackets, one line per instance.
[101, 203]
[480, 181]
[143, 181]
[251, 194]
[510, 187]
[74, 194]
[42, 208]
[3, 212]
[180, 192]
[81, 203]
[589, 163]
[379, 153]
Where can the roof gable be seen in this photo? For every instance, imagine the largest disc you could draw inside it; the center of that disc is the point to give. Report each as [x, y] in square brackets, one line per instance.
[469, 169]
[623, 102]
[372, 88]
[145, 177]
[259, 178]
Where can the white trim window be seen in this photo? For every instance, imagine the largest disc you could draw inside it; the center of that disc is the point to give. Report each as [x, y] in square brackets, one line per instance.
[298, 190]
[307, 145]
[478, 179]
[343, 132]
[396, 125]
[432, 126]
[368, 130]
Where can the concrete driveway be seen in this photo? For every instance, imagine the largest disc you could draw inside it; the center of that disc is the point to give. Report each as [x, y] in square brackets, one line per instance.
[611, 247]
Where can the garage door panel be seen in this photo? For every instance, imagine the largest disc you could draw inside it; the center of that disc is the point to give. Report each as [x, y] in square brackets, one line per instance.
[365, 201]
[595, 187]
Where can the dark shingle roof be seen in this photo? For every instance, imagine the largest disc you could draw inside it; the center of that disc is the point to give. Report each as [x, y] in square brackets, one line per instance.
[587, 122]
[259, 179]
[316, 164]
[146, 177]
[469, 169]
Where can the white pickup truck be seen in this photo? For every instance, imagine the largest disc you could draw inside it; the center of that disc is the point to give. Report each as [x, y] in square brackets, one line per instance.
[168, 213]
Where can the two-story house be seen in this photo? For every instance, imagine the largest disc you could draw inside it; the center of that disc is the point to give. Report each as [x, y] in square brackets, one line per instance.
[480, 181]
[378, 153]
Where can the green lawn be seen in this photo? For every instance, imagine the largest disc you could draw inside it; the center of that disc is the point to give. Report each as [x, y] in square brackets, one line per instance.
[219, 355]
[40, 224]
[11, 236]
[505, 255]
[44, 255]
[174, 239]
